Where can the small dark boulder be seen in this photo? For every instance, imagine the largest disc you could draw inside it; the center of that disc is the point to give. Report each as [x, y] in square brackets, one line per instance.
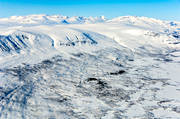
[118, 72]
[92, 79]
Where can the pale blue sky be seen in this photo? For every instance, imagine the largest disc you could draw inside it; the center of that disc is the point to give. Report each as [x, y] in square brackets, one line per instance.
[160, 9]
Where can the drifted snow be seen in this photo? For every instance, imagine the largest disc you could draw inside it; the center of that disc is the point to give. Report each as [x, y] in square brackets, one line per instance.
[76, 67]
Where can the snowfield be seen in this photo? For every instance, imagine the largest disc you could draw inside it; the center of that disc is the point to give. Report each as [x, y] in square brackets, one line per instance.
[59, 67]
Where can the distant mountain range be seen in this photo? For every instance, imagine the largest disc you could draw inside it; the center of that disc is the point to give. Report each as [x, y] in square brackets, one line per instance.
[59, 19]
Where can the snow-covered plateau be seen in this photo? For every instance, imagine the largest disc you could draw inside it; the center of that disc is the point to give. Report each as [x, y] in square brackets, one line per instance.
[59, 67]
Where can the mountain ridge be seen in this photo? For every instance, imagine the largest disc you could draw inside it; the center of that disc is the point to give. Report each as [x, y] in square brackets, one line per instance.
[43, 19]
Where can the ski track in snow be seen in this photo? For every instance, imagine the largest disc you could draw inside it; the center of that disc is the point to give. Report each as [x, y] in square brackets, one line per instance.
[124, 68]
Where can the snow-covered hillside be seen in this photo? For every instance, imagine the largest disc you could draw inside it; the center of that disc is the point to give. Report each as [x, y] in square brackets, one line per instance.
[77, 67]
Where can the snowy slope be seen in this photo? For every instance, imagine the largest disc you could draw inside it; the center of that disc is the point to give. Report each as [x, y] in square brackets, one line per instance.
[76, 67]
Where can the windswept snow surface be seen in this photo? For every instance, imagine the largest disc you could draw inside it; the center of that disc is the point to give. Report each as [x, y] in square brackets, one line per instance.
[58, 67]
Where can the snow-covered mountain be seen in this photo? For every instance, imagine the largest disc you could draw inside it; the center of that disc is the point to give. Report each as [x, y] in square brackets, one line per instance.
[49, 20]
[43, 19]
[77, 67]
